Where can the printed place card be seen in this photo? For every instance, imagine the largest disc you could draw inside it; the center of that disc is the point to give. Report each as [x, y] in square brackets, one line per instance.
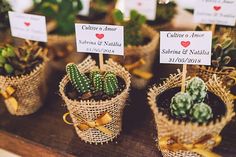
[27, 26]
[190, 47]
[144, 7]
[85, 9]
[222, 12]
[106, 39]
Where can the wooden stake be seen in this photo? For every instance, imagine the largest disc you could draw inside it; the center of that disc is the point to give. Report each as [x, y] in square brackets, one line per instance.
[184, 73]
[101, 64]
[213, 29]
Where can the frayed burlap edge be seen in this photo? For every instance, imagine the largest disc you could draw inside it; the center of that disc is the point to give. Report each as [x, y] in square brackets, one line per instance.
[188, 133]
[91, 110]
[28, 90]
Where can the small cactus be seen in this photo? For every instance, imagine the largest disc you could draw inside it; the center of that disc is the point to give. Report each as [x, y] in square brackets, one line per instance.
[96, 79]
[110, 83]
[196, 88]
[201, 112]
[78, 80]
[180, 105]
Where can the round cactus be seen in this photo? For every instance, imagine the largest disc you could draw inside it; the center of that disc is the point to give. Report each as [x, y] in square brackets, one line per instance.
[181, 104]
[201, 112]
[197, 89]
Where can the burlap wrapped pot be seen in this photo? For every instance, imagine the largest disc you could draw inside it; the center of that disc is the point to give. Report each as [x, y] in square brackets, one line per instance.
[146, 52]
[187, 132]
[90, 110]
[28, 91]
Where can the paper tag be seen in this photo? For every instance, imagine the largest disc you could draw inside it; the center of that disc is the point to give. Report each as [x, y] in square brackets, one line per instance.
[106, 39]
[27, 26]
[222, 12]
[144, 7]
[190, 47]
[85, 9]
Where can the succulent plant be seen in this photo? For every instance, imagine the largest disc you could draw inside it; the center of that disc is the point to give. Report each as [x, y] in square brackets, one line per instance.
[79, 80]
[223, 48]
[164, 13]
[96, 79]
[197, 89]
[201, 112]
[96, 83]
[132, 27]
[110, 83]
[181, 104]
[4, 8]
[62, 11]
[21, 60]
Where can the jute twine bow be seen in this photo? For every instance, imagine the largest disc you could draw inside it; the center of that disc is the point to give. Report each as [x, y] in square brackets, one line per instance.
[98, 123]
[8, 98]
[172, 144]
[133, 68]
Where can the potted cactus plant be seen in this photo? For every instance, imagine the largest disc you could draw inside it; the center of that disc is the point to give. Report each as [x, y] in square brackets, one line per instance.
[189, 123]
[164, 14]
[4, 23]
[223, 58]
[141, 42]
[61, 17]
[99, 11]
[94, 96]
[22, 77]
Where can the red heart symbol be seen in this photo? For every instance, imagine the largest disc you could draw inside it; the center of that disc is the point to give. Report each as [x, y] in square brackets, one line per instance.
[217, 8]
[139, 3]
[27, 24]
[185, 43]
[99, 36]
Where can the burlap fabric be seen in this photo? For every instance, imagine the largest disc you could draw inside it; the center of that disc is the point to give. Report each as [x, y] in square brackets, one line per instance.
[187, 132]
[206, 72]
[91, 110]
[146, 52]
[28, 90]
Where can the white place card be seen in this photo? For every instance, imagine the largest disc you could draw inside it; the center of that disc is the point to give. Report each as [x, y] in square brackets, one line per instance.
[85, 9]
[222, 12]
[27, 26]
[190, 47]
[144, 7]
[106, 39]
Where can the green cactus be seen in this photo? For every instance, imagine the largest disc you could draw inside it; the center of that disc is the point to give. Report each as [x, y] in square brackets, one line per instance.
[110, 83]
[201, 112]
[132, 27]
[97, 81]
[180, 105]
[79, 80]
[197, 89]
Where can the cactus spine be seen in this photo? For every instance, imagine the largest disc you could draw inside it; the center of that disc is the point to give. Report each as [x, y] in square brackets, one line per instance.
[96, 78]
[79, 81]
[201, 113]
[110, 83]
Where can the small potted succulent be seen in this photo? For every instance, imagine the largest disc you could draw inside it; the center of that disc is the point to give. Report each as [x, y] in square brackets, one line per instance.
[189, 123]
[141, 42]
[22, 77]
[96, 97]
[4, 23]
[223, 58]
[165, 12]
[99, 11]
[61, 16]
